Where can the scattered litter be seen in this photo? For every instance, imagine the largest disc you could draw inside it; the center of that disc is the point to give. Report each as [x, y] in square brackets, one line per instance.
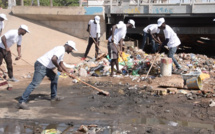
[189, 96]
[172, 123]
[51, 131]
[212, 103]
[75, 81]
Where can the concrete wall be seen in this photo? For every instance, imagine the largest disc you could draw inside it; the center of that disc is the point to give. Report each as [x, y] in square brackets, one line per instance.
[70, 20]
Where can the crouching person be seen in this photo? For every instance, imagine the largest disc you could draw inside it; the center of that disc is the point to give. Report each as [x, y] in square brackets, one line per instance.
[44, 67]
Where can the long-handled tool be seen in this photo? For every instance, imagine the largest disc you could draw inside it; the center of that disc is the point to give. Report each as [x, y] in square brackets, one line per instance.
[151, 67]
[96, 44]
[103, 54]
[100, 91]
[153, 60]
[23, 60]
[120, 54]
[146, 78]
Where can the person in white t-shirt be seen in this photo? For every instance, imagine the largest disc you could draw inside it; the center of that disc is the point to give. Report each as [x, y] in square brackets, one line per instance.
[2, 18]
[44, 67]
[118, 34]
[7, 40]
[94, 31]
[171, 40]
[151, 31]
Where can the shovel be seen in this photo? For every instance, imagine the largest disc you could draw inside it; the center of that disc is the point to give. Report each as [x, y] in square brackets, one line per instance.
[146, 78]
[151, 66]
[102, 54]
[96, 44]
[105, 93]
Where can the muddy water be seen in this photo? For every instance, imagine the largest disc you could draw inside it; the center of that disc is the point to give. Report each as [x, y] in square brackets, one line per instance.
[128, 109]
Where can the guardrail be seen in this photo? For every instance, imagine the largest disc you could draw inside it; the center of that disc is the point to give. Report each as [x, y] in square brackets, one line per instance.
[144, 2]
[167, 7]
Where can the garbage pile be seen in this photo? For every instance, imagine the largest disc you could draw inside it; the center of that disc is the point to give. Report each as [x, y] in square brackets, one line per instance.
[135, 62]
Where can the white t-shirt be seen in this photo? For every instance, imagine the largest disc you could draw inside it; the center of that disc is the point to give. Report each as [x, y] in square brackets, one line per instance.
[153, 28]
[94, 29]
[119, 33]
[1, 25]
[11, 38]
[174, 41]
[58, 51]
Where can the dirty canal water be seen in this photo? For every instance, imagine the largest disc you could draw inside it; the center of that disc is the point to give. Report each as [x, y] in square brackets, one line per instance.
[30, 127]
[129, 109]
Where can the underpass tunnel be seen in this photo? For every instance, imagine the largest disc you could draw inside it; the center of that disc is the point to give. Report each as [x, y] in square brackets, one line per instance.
[196, 31]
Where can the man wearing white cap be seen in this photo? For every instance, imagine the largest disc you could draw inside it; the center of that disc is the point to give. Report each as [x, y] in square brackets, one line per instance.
[44, 67]
[171, 40]
[2, 18]
[7, 40]
[118, 34]
[94, 31]
[151, 31]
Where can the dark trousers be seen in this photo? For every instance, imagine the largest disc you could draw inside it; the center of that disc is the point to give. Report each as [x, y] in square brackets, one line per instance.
[154, 44]
[90, 42]
[7, 57]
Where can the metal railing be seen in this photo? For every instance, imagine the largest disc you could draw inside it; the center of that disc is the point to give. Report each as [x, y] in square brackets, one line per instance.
[143, 2]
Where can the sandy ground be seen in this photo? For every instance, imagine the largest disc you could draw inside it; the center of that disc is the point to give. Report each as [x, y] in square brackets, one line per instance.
[42, 39]
[128, 109]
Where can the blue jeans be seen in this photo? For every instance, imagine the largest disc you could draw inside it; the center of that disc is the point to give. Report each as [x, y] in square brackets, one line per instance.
[40, 72]
[154, 45]
[171, 53]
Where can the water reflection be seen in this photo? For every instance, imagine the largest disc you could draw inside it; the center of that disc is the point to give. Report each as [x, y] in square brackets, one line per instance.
[24, 127]
[159, 121]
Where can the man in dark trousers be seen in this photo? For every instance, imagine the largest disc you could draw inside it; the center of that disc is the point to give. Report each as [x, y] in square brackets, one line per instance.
[44, 67]
[171, 40]
[7, 40]
[118, 34]
[151, 31]
[94, 31]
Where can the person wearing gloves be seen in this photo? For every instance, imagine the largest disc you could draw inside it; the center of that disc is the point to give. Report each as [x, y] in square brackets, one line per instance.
[171, 40]
[94, 31]
[44, 66]
[151, 31]
[2, 18]
[116, 39]
[7, 40]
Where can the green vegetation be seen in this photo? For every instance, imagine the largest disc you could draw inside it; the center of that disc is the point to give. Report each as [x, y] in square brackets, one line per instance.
[3, 3]
[47, 2]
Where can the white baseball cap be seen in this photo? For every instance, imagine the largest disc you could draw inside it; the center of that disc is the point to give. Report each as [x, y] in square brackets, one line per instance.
[132, 22]
[121, 22]
[160, 21]
[71, 44]
[3, 16]
[213, 19]
[25, 28]
[97, 19]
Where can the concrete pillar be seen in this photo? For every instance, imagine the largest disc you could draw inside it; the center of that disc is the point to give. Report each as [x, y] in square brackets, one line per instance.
[80, 3]
[38, 2]
[22, 2]
[11, 3]
[51, 3]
